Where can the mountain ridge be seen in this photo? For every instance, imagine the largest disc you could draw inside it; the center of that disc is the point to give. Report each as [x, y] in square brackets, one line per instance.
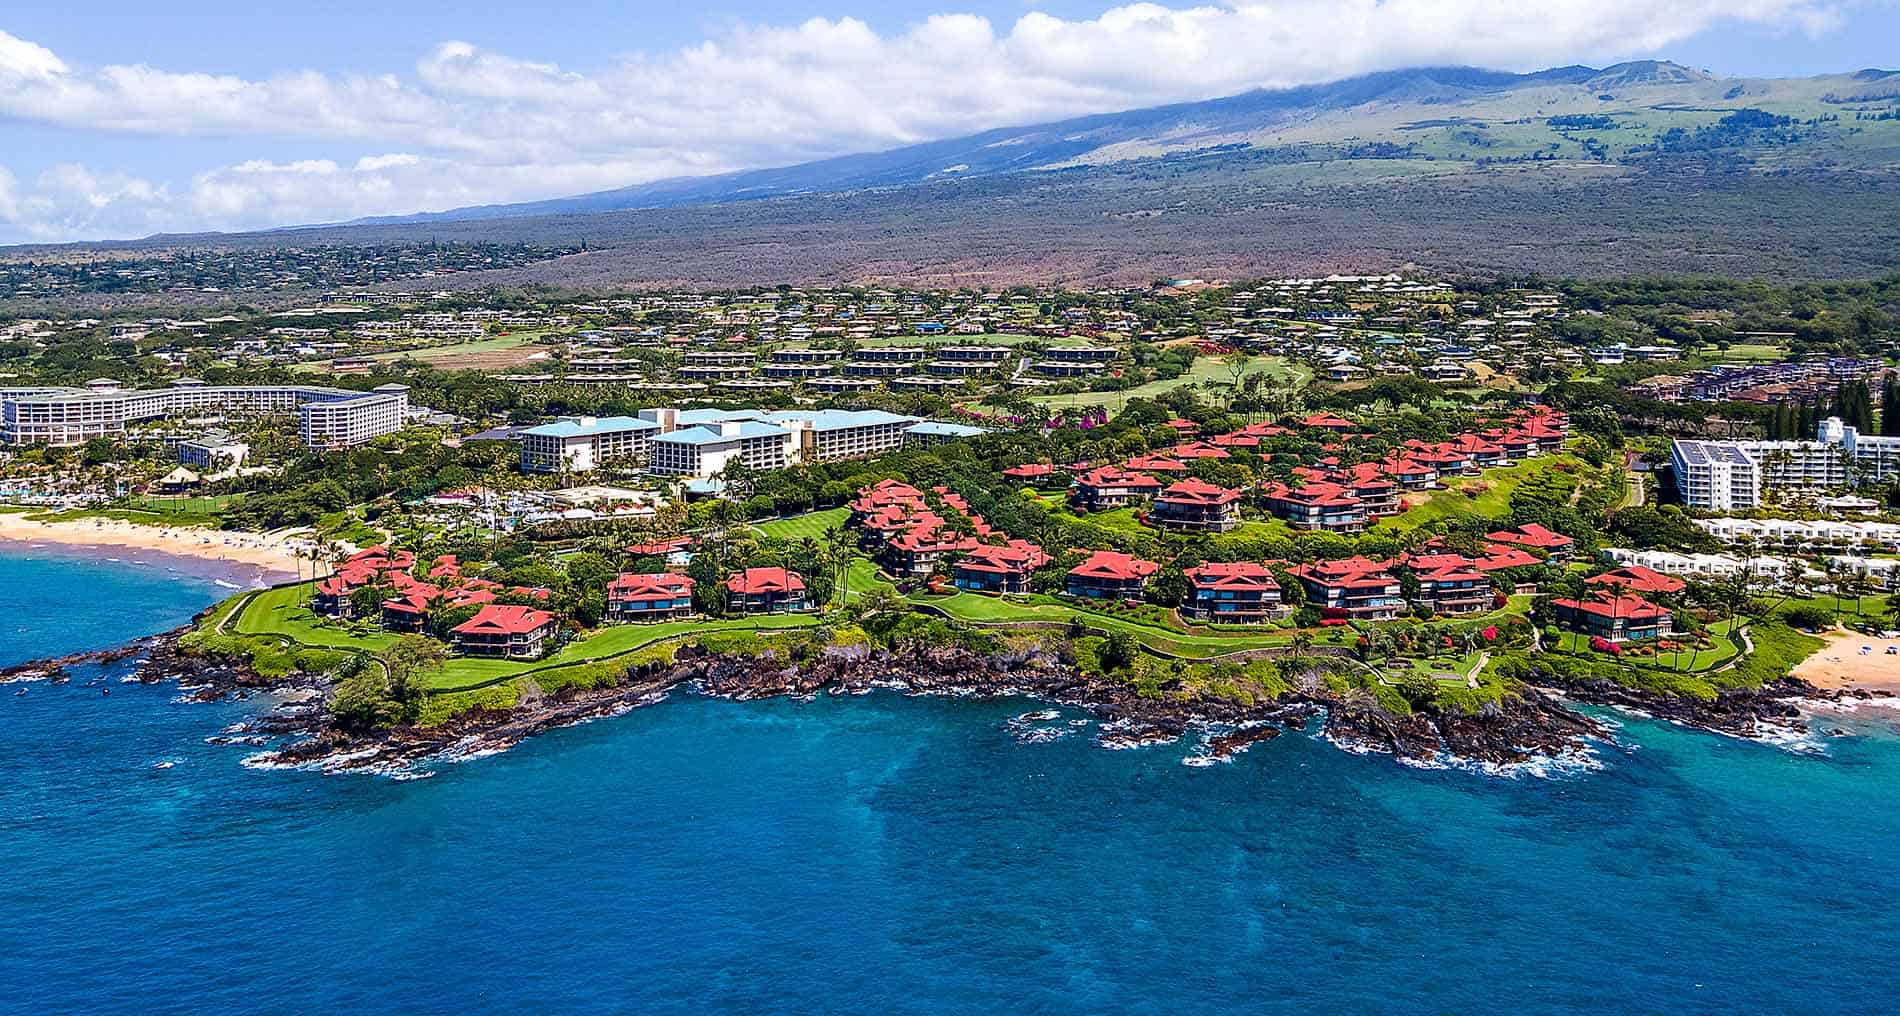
[1051, 144]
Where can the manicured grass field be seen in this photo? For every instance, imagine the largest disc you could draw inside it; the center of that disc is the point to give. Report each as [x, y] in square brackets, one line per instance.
[285, 612]
[812, 524]
[1488, 494]
[862, 577]
[1205, 369]
[618, 640]
[1433, 666]
[481, 352]
[1749, 352]
[1691, 661]
[994, 610]
[195, 505]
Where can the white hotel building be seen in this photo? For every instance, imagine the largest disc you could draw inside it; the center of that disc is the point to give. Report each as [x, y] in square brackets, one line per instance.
[700, 442]
[1804, 536]
[1731, 475]
[328, 417]
[580, 444]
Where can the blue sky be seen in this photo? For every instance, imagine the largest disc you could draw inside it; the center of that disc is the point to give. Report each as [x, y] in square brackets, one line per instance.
[120, 118]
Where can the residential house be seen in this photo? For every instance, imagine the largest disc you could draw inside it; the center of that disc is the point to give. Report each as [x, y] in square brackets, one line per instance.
[1324, 506]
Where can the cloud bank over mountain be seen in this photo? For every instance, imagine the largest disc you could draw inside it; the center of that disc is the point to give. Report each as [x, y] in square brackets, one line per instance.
[467, 125]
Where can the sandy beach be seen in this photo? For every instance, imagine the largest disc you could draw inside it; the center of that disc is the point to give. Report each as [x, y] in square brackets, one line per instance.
[1841, 664]
[256, 558]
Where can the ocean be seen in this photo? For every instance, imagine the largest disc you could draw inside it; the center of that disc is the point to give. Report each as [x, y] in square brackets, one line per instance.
[884, 854]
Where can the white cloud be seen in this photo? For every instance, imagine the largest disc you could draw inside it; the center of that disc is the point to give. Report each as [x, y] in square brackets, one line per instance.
[470, 125]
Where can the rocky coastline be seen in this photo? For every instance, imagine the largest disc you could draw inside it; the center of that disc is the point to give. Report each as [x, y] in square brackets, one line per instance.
[1540, 723]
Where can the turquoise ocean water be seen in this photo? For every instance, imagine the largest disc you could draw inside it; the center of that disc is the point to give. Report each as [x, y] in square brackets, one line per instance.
[883, 854]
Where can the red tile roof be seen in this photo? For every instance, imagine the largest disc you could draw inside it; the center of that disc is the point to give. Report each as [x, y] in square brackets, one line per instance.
[1155, 464]
[1018, 557]
[754, 581]
[1109, 476]
[1640, 579]
[1198, 492]
[504, 619]
[1234, 575]
[1634, 608]
[1109, 564]
[1531, 535]
[634, 586]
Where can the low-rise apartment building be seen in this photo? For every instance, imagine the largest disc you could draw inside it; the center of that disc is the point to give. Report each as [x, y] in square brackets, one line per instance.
[1237, 592]
[662, 596]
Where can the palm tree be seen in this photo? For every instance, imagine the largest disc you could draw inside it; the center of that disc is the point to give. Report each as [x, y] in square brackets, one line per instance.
[1302, 642]
[839, 542]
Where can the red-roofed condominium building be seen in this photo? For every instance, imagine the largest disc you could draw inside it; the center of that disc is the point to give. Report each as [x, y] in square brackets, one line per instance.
[765, 591]
[1109, 487]
[517, 633]
[1040, 475]
[1324, 506]
[1108, 575]
[1005, 569]
[1196, 506]
[1638, 579]
[1454, 589]
[1532, 536]
[1238, 592]
[1618, 619]
[1354, 588]
[657, 597]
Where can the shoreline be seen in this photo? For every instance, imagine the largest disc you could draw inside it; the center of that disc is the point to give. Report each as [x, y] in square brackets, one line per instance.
[244, 560]
[1840, 666]
[1533, 729]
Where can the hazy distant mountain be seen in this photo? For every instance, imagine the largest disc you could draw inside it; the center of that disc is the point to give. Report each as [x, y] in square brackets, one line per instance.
[1411, 108]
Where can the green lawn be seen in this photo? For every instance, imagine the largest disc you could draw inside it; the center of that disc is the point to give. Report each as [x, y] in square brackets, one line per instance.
[1691, 661]
[1488, 494]
[439, 353]
[1433, 666]
[1205, 369]
[812, 524]
[985, 609]
[464, 672]
[1749, 352]
[1116, 519]
[862, 577]
[285, 612]
[198, 505]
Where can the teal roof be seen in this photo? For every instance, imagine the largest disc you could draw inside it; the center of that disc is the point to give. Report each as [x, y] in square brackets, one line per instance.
[711, 434]
[836, 419]
[602, 425]
[941, 429]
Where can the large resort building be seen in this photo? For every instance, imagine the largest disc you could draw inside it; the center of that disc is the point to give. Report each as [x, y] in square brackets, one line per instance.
[328, 417]
[699, 443]
[1738, 475]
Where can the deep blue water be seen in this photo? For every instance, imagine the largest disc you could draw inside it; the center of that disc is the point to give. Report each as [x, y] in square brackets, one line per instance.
[892, 855]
